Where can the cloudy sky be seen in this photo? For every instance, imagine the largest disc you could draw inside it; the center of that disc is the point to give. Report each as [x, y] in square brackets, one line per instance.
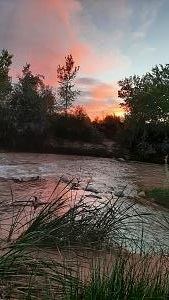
[109, 39]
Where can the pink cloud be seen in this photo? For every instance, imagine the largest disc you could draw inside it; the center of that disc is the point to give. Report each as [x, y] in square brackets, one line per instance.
[43, 32]
[104, 91]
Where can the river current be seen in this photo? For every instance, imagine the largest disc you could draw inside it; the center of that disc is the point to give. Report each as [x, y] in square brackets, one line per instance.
[106, 176]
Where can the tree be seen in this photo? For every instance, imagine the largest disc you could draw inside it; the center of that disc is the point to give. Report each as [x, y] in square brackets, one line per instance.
[31, 104]
[66, 75]
[5, 80]
[80, 113]
[5, 92]
[147, 98]
[146, 101]
[111, 124]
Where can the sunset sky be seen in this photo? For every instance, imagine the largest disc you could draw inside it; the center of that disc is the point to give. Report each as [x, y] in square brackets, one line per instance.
[109, 39]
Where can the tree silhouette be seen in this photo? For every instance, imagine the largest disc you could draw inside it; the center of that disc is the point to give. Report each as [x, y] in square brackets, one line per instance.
[146, 102]
[66, 75]
[31, 103]
[146, 98]
[5, 92]
[5, 81]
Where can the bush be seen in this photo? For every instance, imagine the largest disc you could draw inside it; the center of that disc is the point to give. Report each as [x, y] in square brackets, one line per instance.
[109, 127]
[75, 125]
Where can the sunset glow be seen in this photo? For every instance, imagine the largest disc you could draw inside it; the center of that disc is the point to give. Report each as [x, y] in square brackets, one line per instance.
[107, 39]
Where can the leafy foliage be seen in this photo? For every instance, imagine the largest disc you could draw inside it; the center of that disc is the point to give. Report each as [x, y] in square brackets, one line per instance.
[5, 92]
[5, 81]
[146, 102]
[75, 125]
[66, 75]
[31, 104]
[110, 127]
[147, 98]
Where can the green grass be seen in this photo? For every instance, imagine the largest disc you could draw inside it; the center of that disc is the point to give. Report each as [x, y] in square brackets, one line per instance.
[159, 195]
[28, 275]
[62, 251]
[129, 278]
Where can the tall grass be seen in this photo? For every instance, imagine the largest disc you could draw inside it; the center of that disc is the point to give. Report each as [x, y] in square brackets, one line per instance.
[50, 252]
[72, 221]
[126, 277]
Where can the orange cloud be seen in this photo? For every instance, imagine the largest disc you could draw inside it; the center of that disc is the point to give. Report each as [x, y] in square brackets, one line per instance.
[99, 110]
[103, 91]
[43, 32]
[100, 98]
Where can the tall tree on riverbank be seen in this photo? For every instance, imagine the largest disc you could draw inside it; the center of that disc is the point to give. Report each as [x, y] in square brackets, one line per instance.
[31, 104]
[5, 92]
[5, 80]
[66, 91]
[146, 100]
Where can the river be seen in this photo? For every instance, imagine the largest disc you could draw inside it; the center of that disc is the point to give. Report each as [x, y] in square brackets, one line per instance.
[106, 176]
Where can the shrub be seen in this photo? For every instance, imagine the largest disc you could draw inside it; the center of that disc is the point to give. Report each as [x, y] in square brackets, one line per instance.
[75, 125]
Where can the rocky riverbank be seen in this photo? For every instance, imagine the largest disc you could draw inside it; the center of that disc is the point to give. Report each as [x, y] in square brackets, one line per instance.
[104, 149]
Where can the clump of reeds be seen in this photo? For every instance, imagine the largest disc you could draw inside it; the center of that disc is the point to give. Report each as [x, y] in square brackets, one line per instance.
[39, 261]
[125, 276]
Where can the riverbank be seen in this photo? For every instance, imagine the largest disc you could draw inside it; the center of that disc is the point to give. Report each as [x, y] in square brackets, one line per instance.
[105, 148]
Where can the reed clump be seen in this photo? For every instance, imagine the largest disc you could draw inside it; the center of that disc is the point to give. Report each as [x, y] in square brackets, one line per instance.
[72, 247]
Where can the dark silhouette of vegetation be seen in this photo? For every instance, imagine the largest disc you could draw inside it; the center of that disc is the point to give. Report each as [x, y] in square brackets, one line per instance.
[146, 102]
[5, 93]
[32, 113]
[147, 98]
[110, 126]
[66, 92]
[31, 104]
[74, 125]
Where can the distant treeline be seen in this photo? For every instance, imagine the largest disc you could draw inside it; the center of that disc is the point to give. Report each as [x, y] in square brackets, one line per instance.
[32, 113]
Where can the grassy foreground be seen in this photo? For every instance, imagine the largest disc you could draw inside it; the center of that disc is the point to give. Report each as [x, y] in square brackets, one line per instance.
[65, 249]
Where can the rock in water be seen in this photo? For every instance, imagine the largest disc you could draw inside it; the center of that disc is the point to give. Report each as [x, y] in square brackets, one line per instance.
[91, 189]
[119, 194]
[141, 194]
[26, 179]
[121, 159]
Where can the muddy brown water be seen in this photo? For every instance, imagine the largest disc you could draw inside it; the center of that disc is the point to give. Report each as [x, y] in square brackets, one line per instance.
[106, 176]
